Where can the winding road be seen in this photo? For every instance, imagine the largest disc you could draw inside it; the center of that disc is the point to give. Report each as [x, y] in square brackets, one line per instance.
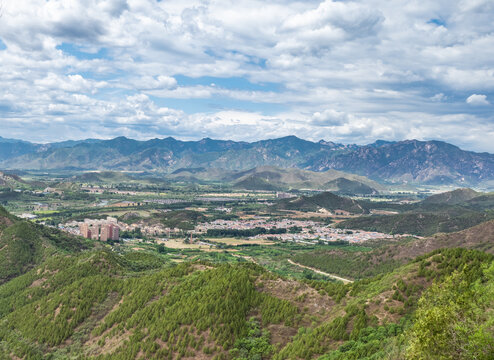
[345, 281]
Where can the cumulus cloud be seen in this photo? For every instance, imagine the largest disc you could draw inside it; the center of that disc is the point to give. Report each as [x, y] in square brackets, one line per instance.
[344, 71]
[329, 117]
[476, 99]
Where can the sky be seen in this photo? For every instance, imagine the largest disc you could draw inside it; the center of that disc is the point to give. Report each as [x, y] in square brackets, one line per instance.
[343, 71]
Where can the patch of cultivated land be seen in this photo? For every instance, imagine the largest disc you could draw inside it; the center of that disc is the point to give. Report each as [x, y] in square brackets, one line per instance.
[238, 241]
[178, 244]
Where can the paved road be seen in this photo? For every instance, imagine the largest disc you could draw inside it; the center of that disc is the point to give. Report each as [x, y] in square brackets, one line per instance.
[345, 281]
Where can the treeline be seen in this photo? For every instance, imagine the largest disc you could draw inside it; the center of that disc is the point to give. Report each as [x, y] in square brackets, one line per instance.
[251, 232]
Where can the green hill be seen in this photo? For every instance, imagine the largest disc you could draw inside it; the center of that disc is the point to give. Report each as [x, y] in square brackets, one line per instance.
[349, 187]
[13, 181]
[452, 197]
[293, 178]
[96, 305]
[182, 219]
[102, 304]
[324, 200]
[419, 223]
[24, 244]
[257, 183]
[386, 257]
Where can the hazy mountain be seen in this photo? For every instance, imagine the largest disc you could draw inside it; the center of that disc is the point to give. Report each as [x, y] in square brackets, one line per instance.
[343, 185]
[11, 148]
[431, 162]
[293, 178]
[413, 161]
[452, 197]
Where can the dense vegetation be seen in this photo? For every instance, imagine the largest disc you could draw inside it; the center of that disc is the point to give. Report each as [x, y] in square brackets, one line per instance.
[419, 223]
[24, 244]
[349, 264]
[182, 219]
[109, 306]
[105, 302]
[244, 233]
[324, 200]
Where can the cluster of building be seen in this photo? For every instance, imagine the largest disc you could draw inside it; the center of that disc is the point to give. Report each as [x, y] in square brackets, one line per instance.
[100, 229]
[308, 230]
[284, 195]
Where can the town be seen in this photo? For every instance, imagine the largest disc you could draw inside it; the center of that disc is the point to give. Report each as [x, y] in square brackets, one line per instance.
[285, 230]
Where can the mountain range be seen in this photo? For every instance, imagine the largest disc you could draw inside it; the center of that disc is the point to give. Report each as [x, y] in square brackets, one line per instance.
[413, 161]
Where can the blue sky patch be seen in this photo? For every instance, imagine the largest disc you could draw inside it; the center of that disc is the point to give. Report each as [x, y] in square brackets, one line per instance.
[2, 45]
[214, 104]
[234, 83]
[74, 50]
[438, 22]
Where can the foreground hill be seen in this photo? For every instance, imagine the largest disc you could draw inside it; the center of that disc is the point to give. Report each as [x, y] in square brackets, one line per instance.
[23, 245]
[432, 162]
[98, 305]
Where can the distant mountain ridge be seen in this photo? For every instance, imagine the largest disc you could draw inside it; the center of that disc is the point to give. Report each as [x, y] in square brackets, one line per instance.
[429, 162]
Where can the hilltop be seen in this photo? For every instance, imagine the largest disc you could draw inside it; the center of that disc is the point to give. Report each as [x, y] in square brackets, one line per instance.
[293, 178]
[452, 197]
[430, 162]
[276, 178]
[343, 185]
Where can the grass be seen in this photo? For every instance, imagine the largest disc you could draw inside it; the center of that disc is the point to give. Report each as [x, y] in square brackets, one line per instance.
[237, 241]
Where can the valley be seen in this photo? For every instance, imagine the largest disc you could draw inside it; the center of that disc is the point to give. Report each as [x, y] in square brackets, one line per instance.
[246, 180]
[203, 269]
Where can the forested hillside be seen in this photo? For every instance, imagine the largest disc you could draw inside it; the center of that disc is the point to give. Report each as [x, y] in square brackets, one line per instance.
[442, 213]
[325, 201]
[24, 244]
[98, 303]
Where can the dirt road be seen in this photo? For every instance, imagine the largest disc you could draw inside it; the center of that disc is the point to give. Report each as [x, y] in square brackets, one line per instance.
[345, 281]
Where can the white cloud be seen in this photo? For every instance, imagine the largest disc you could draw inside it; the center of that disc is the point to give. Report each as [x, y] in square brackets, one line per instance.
[346, 71]
[439, 97]
[329, 117]
[476, 99]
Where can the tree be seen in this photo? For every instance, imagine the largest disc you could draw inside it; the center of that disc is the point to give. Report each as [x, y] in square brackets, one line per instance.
[161, 248]
[455, 320]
